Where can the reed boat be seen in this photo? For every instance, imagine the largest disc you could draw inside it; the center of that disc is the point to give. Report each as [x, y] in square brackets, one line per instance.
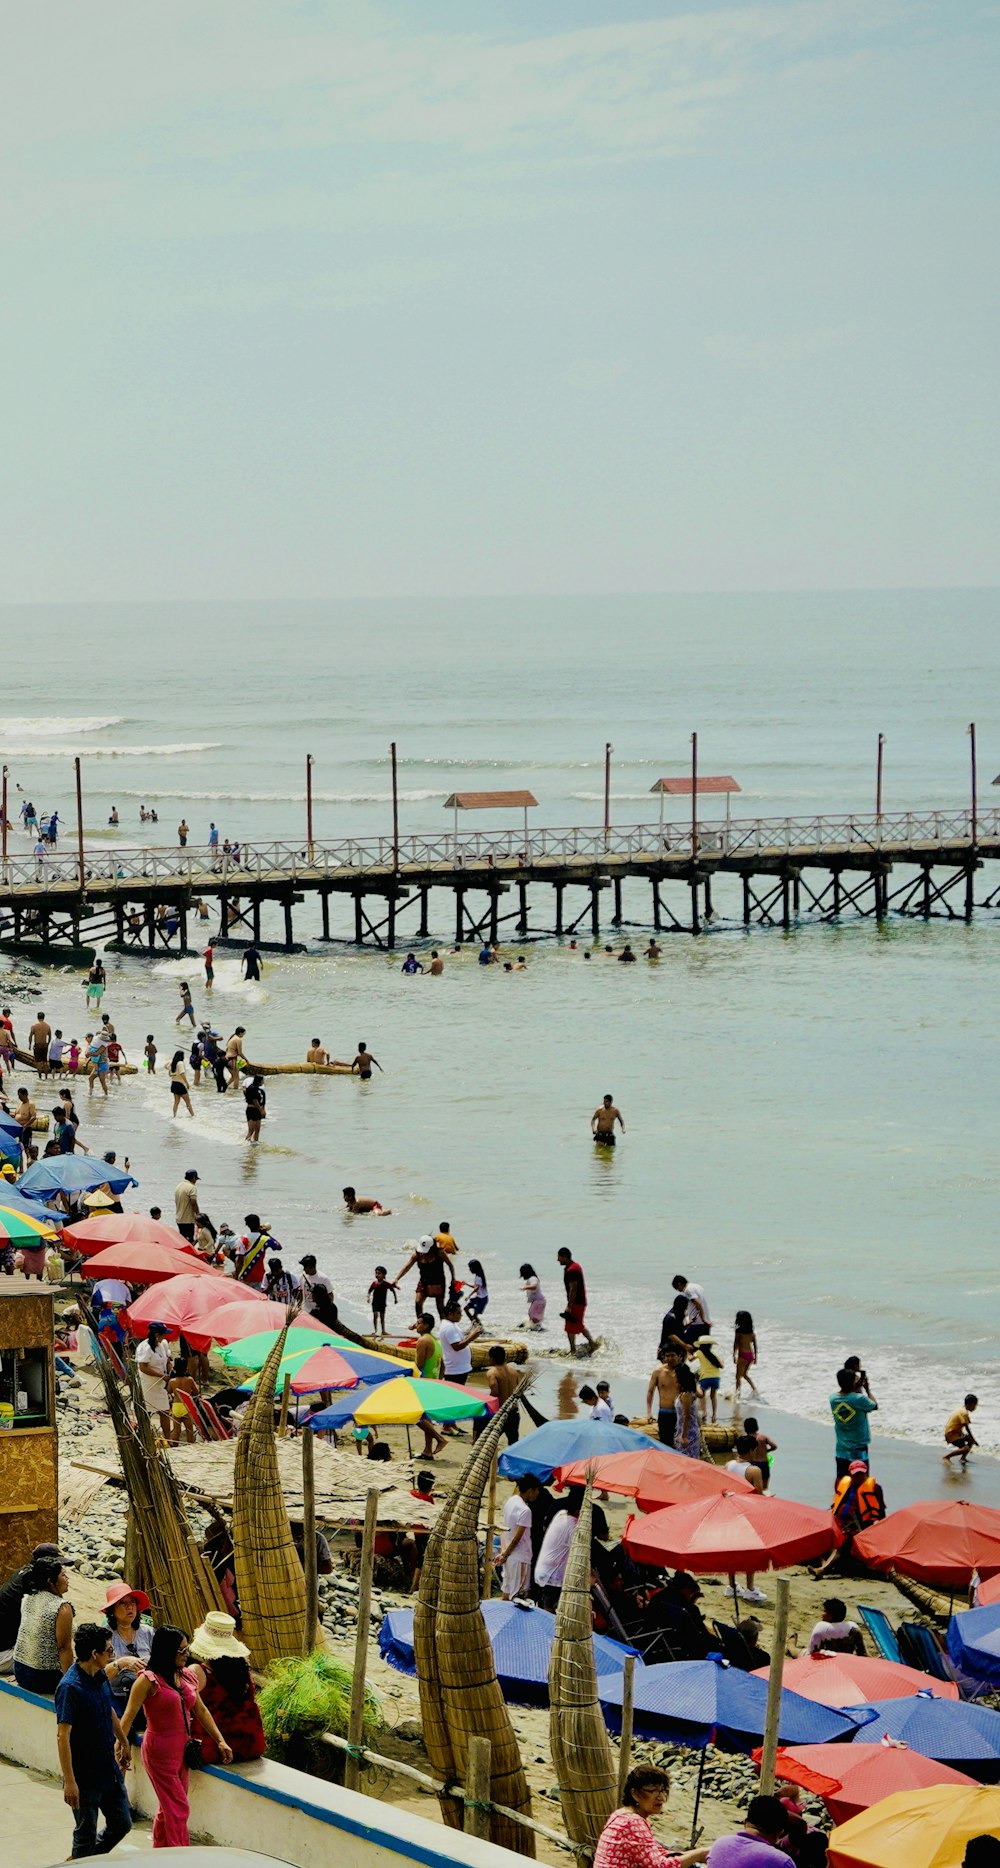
[300, 1070]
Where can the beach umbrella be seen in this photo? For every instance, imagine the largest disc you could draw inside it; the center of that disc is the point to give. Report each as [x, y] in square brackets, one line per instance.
[956, 1731]
[940, 1541]
[92, 1235]
[145, 1264]
[182, 1303]
[251, 1352]
[974, 1642]
[560, 1442]
[8, 1124]
[917, 1828]
[237, 1313]
[10, 1148]
[654, 1476]
[311, 1373]
[21, 1228]
[521, 1636]
[850, 1778]
[847, 1679]
[989, 1591]
[691, 1702]
[404, 1401]
[16, 1202]
[732, 1531]
[73, 1174]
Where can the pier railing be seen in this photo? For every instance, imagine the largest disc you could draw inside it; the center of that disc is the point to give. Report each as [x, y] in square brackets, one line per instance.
[195, 866]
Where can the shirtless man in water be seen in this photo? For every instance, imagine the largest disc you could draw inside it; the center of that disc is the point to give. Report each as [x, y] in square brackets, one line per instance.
[354, 1205]
[663, 1384]
[363, 1062]
[316, 1053]
[602, 1123]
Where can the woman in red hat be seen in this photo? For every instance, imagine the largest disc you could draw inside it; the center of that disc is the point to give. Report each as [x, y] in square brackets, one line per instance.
[131, 1640]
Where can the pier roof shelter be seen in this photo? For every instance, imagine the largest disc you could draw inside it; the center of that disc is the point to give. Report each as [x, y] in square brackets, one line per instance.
[490, 801]
[683, 787]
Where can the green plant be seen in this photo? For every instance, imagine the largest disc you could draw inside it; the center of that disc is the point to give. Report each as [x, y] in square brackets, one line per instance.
[309, 1694]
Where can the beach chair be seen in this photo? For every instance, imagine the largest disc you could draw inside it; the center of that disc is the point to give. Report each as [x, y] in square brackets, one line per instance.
[733, 1647]
[918, 1648]
[882, 1632]
[217, 1429]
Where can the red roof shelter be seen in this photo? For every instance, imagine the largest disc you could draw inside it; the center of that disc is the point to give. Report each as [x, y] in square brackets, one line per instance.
[684, 787]
[491, 801]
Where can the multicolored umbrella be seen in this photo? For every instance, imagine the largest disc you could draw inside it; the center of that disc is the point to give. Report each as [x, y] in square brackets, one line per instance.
[917, 1828]
[847, 1679]
[311, 1371]
[653, 1476]
[735, 1531]
[92, 1235]
[850, 1778]
[146, 1264]
[251, 1352]
[405, 1401]
[939, 1541]
[21, 1228]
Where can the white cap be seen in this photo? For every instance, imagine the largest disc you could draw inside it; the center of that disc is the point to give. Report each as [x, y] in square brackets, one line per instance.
[426, 1244]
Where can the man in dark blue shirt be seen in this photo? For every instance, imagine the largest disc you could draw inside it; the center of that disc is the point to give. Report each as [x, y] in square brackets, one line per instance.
[91, 1745]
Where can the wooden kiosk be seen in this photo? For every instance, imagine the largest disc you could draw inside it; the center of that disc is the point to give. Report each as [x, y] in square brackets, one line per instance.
[29, 1451]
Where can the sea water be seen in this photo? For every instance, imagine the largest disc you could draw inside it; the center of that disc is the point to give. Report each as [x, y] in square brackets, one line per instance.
[810, 1117]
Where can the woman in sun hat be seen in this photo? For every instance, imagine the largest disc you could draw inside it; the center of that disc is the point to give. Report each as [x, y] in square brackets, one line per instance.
[131, 1640]
[227, 1690]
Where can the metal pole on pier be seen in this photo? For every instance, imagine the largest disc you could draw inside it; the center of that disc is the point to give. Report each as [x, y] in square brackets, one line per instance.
[878, 778]
[79, 823]
[395, 809]
[975, 784]
[309, 805]
[608, 750]
[694, 797]
[4, 808]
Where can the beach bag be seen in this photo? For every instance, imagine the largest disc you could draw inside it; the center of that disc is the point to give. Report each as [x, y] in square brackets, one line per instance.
[193, 1759]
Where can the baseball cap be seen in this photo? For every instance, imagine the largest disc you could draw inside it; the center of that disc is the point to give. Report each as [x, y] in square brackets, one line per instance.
[310, 1259]
[191, 1174]
[857, 1465]
[426, 1244]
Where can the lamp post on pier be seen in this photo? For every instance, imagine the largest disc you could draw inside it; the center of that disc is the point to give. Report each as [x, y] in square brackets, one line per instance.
[79, 825]
[309, 805]
[878, 780]
[974, 784]
[608, 750]
[395, 810]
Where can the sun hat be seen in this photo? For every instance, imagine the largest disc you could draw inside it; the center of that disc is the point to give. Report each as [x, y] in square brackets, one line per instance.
[117, 1592]
[99, 1197]
[217, 1637]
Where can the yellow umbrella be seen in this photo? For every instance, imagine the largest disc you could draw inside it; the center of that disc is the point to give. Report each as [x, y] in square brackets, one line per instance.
[406, 1399]
[19, 1228]
[917, 1828]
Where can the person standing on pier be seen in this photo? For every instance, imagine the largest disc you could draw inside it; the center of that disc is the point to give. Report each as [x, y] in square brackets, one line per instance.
[183, 830]
[602, 1123]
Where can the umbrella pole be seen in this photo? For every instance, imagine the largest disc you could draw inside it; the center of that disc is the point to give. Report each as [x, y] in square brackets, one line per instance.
[625, 1745]
[355, 1728]
[309, 1542]
[697, 1797]
[736, 1603]
[409, 1444]
[286, 1389]
[491, 1507]
[774, 1677]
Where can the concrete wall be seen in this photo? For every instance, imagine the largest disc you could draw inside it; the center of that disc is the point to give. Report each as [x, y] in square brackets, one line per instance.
[266, 1806]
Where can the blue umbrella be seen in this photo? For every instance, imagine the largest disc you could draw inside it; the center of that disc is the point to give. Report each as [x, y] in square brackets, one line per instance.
[691, 1702]
[521, 1636]
[10, 1147]
[954, 1731]
[560, 1442]
[70, 1174]
[974, 1642]
[8, 1123]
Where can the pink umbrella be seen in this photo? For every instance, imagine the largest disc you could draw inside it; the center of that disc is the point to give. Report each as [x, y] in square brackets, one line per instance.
[230, 1322]
[850, 1679]
[146, 1264]
[92, 1235]
[183, 1303]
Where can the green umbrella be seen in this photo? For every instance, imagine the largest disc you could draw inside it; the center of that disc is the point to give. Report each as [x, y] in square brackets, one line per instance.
[251, 1352]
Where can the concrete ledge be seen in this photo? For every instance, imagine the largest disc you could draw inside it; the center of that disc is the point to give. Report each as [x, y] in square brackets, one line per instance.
[266, 1806]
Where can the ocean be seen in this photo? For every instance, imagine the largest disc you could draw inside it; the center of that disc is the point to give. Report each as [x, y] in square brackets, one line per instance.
[810, 1116]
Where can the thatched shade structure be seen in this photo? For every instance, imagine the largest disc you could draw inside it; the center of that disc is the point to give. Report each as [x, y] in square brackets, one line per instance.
[578, 1736]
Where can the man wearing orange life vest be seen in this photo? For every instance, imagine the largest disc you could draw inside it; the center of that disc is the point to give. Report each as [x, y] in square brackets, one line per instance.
[858, 1501]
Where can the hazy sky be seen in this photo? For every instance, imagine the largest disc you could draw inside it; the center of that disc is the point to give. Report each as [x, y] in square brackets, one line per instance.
[318, 298]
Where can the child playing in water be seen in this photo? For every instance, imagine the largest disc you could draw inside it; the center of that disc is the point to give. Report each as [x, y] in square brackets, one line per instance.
[479, 1296]
[745, 1352]
[536, 1296]
[709, 1370]
[149, 1052]
[73, 1055]
[762, 1446]
[378, 1294]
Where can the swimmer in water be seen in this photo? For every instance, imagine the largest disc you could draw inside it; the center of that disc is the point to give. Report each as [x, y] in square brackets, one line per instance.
[602, 1123]
[653, 951]
[354, 1205]
[436, 967]
[316, 1054]
[363, 1063]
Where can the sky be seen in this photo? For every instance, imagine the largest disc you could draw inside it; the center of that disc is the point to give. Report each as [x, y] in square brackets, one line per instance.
[308, 298]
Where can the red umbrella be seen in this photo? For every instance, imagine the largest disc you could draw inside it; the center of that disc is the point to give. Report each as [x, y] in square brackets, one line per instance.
[183, 1303]
[92, 1235]
[850, 1679]
[938, 1541]
[989, 1592]
[734, 1531]
[230, 1322]
[146, 1264]
[654, 1478]
[850, 1778]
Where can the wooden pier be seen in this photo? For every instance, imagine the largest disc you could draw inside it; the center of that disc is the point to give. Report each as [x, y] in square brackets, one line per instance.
[758, 871]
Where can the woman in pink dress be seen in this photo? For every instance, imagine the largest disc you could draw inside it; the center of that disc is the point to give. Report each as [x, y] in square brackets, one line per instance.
[168, 1690]
[627, 1841]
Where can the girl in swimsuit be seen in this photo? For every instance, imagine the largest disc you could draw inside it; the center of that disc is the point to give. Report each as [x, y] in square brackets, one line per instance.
[745, 1352]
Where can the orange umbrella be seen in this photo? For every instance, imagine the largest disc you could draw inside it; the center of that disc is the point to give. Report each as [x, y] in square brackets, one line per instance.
[654, 1478]
[917, 1828]
[850, 1778]
[938, 1541]
[989, 1592]
[730, 1532]
[146, 1264]
[92, 1235]
[182, 1303]
[849, 1679]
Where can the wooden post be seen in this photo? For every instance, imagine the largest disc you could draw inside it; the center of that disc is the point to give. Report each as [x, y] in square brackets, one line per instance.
[878, 782]
[395, 810]
[608, 750]
[286, 1389]
[288, 927]
[459, 915]
[355, 1728]
[595, 910]
[491, 1506]
[617, 916]
[79, 825]
[4, 831]
[324, 903]
[560, 890]
[311, 1631]
[746, 901]
[478, 1772]
[773, 1715]
[522, 913]
[359, 936]
[309, 805]
[625, 1743]
[424, 928]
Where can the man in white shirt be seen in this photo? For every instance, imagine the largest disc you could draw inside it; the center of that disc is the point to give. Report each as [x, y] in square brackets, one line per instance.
[835, 1634]
[455, 1352]
[550, 1564]
[153, 1363]
[696, 1315]
[317, 1291]
[514, 1559]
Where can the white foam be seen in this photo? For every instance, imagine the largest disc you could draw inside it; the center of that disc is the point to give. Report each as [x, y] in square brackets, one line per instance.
[53, 725]
[280, 797]
[113, 752]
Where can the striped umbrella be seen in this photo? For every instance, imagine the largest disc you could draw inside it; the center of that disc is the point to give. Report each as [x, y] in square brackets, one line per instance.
[21, 1228]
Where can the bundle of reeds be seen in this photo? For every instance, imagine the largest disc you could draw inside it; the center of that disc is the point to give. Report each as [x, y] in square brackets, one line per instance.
[470, 1696]
[578, 1737]
[269, 1574]
[181, 1585]
[437, 1738]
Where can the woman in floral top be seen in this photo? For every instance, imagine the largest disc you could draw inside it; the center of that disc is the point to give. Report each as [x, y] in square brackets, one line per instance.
[627, 1841]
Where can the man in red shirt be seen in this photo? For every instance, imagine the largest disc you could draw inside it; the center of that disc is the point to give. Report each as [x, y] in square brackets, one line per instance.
[576, 1300]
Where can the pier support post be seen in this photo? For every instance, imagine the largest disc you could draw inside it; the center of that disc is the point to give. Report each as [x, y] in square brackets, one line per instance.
[119, 923]
[390, 932]
[324, 902]
[796, 897]
[695, 916]
[836, 892]
[786, 904]
[657, 912]
[223, 917]
[359, 934]
[255, 913]
[150, 928]
[559, 907]
[595, 910]
[289, 942]
[183, 929]
[970, 877]
[494, 915]
[423, 928]
[746, 901]
[708, 898]
[927, 892]
[522, 910]
[459, 914]
[616, 918]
